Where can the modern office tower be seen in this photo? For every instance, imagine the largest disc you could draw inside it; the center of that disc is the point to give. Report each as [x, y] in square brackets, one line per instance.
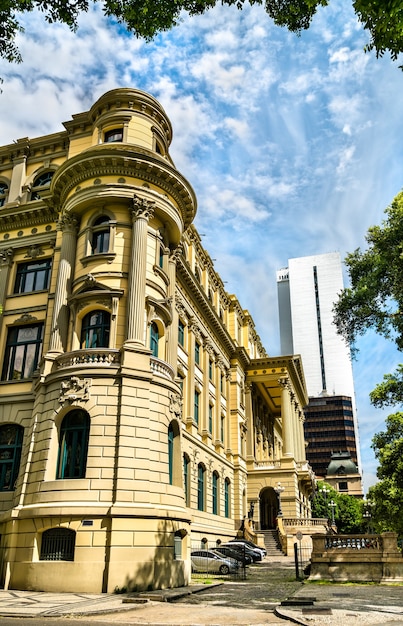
[329, 426]
[307, 291]
[139, 411]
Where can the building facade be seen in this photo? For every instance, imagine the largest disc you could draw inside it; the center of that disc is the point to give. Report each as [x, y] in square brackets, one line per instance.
[307, 291]
[139, 411]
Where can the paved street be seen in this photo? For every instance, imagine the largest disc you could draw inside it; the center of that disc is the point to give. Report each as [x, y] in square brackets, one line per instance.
[256, 601]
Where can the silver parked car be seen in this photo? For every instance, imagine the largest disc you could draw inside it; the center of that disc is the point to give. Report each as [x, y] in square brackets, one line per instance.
[208, 561]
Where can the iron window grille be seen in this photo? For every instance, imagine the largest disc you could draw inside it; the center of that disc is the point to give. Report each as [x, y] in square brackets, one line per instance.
[58, 544]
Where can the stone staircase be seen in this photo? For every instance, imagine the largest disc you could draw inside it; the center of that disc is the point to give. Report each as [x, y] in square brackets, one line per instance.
[271, 543]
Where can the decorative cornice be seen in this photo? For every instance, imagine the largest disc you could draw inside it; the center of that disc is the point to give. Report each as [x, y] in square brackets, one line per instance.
[123, 160]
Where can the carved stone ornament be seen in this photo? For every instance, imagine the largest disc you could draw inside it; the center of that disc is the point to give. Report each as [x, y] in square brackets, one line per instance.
[175, 405]
[179, 306]
[194, 327]
[142, 208]
[6, 256]
[74, 390]
[26, 317]
[33, 252]
[175, 254]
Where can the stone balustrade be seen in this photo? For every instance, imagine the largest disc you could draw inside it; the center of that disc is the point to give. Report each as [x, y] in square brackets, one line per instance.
[303, 521]
[91, 356]
[161, 368]
[356, 558]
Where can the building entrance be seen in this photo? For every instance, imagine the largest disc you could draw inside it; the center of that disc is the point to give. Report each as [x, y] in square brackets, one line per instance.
[268, 503]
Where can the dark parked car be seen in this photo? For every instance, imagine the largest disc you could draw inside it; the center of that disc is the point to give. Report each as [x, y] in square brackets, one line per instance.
[228, 552]
[251, 545]
[242, 549]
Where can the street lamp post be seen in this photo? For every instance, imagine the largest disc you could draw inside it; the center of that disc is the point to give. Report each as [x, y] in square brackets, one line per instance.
[279, 490]
[325, 492]
[367, 515]
[333, 506]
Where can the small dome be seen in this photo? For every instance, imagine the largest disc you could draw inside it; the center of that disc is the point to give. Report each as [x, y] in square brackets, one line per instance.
[341, 464]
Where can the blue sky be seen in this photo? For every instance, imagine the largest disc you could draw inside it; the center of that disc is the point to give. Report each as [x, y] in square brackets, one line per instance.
[292, 144]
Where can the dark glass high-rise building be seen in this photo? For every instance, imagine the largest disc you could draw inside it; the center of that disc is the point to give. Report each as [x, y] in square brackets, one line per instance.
[329, 428]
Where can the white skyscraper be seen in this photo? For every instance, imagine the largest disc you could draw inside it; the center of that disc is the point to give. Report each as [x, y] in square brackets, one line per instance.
[307, 291]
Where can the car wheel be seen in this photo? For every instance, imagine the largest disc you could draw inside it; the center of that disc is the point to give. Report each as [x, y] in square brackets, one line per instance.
[224, 569]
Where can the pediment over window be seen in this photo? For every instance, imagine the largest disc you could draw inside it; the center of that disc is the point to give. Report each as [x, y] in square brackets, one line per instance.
[161, 309]
[91, 291]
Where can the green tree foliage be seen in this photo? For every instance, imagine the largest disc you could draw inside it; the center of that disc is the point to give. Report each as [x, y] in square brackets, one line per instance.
[388, 492]
[375, 301]
[320, 503]
[375, 298]
[388, 448]
[347, 512]
[145, 18]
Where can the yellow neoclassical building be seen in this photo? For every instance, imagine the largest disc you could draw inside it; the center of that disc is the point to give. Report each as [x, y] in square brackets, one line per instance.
[139, 411]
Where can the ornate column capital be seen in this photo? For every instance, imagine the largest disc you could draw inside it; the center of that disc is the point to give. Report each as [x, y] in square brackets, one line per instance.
[6, 256]
[68, 222]
[142, 208]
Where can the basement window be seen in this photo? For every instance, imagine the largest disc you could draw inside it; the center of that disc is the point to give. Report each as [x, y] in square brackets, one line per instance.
[58, 544]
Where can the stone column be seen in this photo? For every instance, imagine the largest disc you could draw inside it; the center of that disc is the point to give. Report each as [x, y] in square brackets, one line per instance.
[142, 211]
[250, 434]
[68, 224]
[172, 345]
[286, 416]
[6, 259]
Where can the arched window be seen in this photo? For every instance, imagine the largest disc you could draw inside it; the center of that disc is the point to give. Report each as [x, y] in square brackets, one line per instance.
[154, 339]
[73, 445]
[41, 183]
[10, 455]
[3, 193]
[214, 486]
[58, 544]
[200, 486]
[227, 503]
[100, 235]
[95, 330]
[186, 478]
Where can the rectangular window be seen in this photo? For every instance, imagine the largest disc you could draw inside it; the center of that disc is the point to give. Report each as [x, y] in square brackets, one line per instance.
[186, 478]
[222, 428]
[210, 418]
[181, 333]
[210, 369]
[226, 497]
[33, 276]
[197, 353]
[196, 407]
[23, 350]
